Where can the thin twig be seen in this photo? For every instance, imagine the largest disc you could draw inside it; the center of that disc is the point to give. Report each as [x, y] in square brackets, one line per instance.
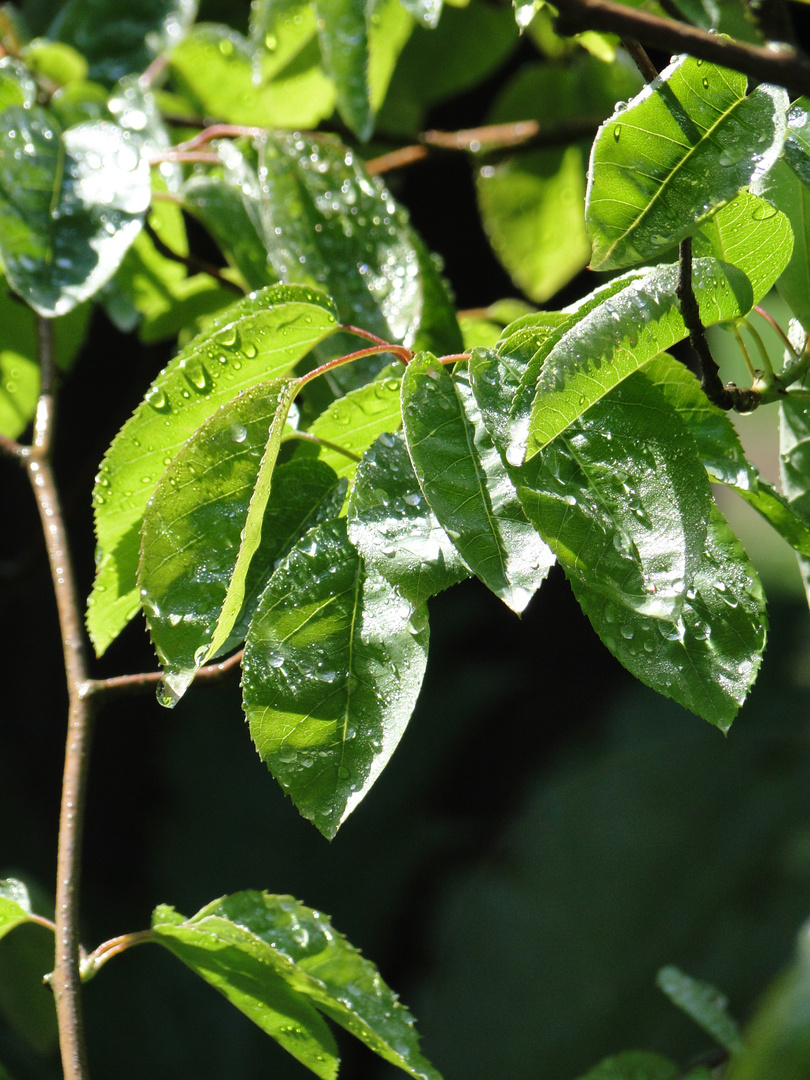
[205, 157]
[131, 684]
[401, 353]
[66, 978]
[307, 436]
[108, 949]
[221, 131]
[638, 55]
[777, 329]
[191, 262]
[783, 65]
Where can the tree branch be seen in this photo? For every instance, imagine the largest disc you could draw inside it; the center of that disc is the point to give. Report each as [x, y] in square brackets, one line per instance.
[191, 262]
[130, 684]
[784, 66]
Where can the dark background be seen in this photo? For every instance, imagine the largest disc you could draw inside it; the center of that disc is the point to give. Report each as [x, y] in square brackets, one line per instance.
[548, 834]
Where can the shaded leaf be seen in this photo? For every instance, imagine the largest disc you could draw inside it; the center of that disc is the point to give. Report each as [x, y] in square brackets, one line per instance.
[703, 1003]
[793, 198]
[333, 664]
[394, 528]
[202, 527]
[619, 336]
[343, 37]
[794, 445]
[465, 483]
[267, 937]
[634, 1065]
[687, 144]
[797, 141]
[259, 338]
[70, 206]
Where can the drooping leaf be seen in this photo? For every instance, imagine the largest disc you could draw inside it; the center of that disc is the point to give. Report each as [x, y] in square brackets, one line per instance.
[343, 37]
[703, 1003]
[259, 338]
[352, 423]
[15, 906]
[116, 47]
[751, 234]
[684, 146]
[778, 512]
[70, 206]
[266, 940]
[634, 1065]
[619, 336]
[465, 483]
[531, 199]
[202, 527]
[332, 667]
[393, 527]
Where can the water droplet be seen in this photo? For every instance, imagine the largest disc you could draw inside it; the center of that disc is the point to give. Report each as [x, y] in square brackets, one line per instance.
[157, 399]
[196, 375]
[238, 432]
[617, 132]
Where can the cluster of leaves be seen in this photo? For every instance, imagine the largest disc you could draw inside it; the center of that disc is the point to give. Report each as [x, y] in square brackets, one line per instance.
[321, 456]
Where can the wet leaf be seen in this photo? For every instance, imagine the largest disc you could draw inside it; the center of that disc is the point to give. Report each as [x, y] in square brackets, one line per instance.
[779, 513]
[343, 37]
[353, 422]
[465, 483]
[259, 338]
[70, 206]
[116, 46]
[703, 1003]
[17, 87]
[265, 942]
[332, 668]
[793, 198]
[202, 527]
[393, 527]
[751, 234]
[619, 336]
[15, 906]
[687, 144]
[797, 142]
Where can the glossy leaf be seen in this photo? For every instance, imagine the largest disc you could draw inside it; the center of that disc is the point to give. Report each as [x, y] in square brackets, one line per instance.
[394, 528]
[70, 206]
[634, 1065]
[703, 1003]
[619, 336]
[259, 338]
[244, 82]
[261, 942]
[332, 667]
[116, 47]
[793, 198]
[17, 87]
[351, 423]
[343, 37]
[15, 906]
[532, 198]
[202, 528]
[797, 142]
[794, 445]
[751, 234]
[466, 486]
[791, 525]
[684, 146]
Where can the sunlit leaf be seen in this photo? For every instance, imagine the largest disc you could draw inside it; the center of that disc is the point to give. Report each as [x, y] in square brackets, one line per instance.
[619, 336]
[687, 144]
[259, 338]
[15, 906]
[332, 667]
[343, 36]
[797, 142]
[17, 87]
[466, 486]
[703, 1003]
[251, 945]
[793, 198]
[394, 528]
[70, 206]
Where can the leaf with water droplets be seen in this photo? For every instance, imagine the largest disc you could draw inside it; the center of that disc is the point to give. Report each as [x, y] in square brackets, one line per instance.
[618, 337]
[703, 1003]
[797, 141]
[351, 423]
[393, 527]
[15, 907]
[249, 944]
[332, 668]
[17, 85]
[751, 234]
[200, 542]
[70, 206]
[258, 338]
[466, 484]
[792, 197]
[681, 149]
[343, 36]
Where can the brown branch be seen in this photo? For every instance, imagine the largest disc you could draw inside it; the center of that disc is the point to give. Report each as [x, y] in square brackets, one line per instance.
[638, 54]
[129, 684]
[191, 262]
[784, 66]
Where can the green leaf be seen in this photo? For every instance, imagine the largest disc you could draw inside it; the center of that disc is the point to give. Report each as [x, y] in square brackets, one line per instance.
[271, 939]
[15, 906]
[332, 667]
[17, 87]
[531, 199]
[620, 335]
[426, 12]
[797, 142]
[202, 527]
[354, 421]
[703, 1003]
[464, 481]
[687, 144]
[634, 1065]
[751, 234]
[778, 512]
[259, 338]
[793, 198]
[116, 47]
[343, 37]
[794, 444]
[70, 206]
[389, 28]
[393, 527]
[275, 82]
[55, 61]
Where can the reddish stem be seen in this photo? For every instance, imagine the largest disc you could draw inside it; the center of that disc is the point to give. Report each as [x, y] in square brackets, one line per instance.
[405, 355]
